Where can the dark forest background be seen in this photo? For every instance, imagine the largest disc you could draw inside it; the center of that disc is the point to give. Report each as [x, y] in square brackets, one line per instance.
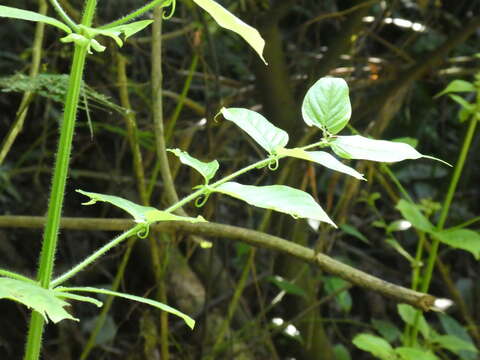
[395, 55]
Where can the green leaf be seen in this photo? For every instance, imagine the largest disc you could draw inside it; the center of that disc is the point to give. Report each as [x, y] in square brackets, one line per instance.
[287, 286]
[412, 213]
[464, 239]
[227, 20]
[44, 301]
[281, 198]
[260, 129]
[453, 327]
[454, 344]
[188, 320]
[469, 107]
[88, 299]
[359, 147]
[323, 158]
[350, 230]
[409, 353]
[375, 345]
[137, 211]
[457, 86]
[327, 105]
[114, 32]
[388, 331]
[141, 214]
[207, 170]
[14, 13]
[341, 352]
[129, 29]
[409, 314]
[334, 283]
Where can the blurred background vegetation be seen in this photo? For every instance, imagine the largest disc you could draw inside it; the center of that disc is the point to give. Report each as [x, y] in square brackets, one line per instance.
[395, 55]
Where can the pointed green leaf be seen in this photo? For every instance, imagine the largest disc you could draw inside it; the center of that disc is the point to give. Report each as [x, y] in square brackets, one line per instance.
[141, 214]
[359, 147]
[188, 320]
[351, 230]
[281, 198]
[410, 353]
[287, 286]
[35, 297]
[454, 344]
[323, 158]
[409, 315]
[327, 105]
[129, 29]
[227, 20]
[375, 345]
[14, 13]
[464, 239]
[65, 295]
[388, 330]
[207, 170]
[260, 129]
[457, 86]
[114, 32]
[137, 211]
[412, 213]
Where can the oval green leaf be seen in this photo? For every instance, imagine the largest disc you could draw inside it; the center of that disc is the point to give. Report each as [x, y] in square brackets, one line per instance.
[141, 214]
[323, 158]
[207, 170]
[35, 297]
[410, 353]
[260, 129]
[464, 239]
[227, 20]
[412, 213]
[457, 86]
[375, 345]
[280, 198]
[14, 13]
[327, 105]
[359, 147]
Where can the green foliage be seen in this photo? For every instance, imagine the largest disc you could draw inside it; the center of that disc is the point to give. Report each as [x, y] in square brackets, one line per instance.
[207, 170]
[327, 105]
[227, 20]
[54, 87]
[381, 347]
[464, 239]
[260, 129]
[44, 301]
[14, 13]
[281, 198]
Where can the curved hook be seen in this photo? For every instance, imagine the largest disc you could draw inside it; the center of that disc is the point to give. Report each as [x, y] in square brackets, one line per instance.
[273, 164]
[173, 5]
[143, 232]
[200, 201]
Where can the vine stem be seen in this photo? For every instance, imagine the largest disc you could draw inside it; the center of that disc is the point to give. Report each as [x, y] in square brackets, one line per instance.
[432, 258]
[50, 234]
[136, 13]
[63, 15]
[92, 258]
[448, 200]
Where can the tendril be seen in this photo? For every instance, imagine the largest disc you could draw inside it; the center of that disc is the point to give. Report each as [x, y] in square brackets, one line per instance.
[173, 5]
[273, 164]
[143, 232]
[200, 201]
